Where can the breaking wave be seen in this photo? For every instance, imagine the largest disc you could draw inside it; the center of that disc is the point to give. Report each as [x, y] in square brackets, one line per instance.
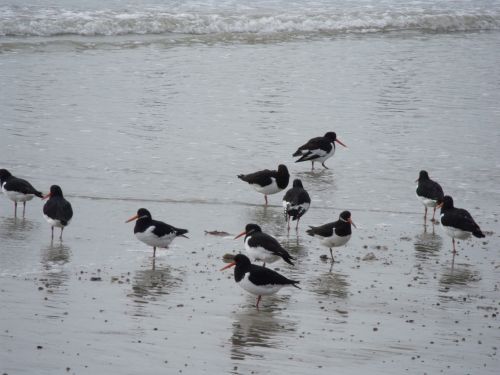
[53, 22]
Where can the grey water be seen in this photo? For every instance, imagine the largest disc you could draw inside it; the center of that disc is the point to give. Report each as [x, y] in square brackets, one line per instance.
[143, 104]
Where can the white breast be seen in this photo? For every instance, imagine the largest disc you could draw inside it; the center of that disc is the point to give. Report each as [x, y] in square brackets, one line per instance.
[456, 233]
[268, 189]
[335, 241]
[260, 254]
[17, 197]
[258, 290]
[151, 239]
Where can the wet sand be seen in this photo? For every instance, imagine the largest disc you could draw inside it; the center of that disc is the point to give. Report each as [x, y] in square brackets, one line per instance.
[170, 127]
[413, 309]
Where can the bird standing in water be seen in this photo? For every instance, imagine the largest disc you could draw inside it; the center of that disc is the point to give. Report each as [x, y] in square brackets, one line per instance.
[153, 232]
[57, 210]
[457, 222]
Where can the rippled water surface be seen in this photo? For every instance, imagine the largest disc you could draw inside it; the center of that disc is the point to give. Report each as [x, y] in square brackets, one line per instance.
[122, 122]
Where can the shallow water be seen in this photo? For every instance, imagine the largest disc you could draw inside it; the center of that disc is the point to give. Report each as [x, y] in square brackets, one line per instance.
[169, 126]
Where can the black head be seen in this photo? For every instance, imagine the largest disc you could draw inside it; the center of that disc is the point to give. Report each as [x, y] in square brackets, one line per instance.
[252, 228]
[4, 174]
[447, 202]
[331, 136]
[56, 191]
[423, 176]
[282, 169]
[297, 183]
[345, 215]
[142, 213]
[242, 261]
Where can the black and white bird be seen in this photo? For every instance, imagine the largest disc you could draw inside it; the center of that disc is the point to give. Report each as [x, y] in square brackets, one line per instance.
[258, 280]
[334, 234]
[266, 181]
[262, 247]
[153, 232]
[429, 192]
[17, 189]
[318, 149]
[57, 210]
[296, 202]
[457, 222]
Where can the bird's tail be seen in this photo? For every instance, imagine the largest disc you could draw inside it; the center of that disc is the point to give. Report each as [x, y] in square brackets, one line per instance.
[297, 153]
[181, 232]
[310, 231]
[242, 177]
[294, 284]
[288, 258]
[38, 194]
[477, 233]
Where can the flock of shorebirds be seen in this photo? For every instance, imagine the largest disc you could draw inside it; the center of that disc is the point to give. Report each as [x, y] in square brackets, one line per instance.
[260, 246]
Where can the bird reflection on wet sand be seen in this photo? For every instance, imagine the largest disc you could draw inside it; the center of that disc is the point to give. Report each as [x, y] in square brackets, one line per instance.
[257, 329]
[458, 275]
[331, 284]
[150, 283]
[17, 229]
[427, 245]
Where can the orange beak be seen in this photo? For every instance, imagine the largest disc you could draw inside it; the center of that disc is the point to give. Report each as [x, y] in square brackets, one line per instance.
[239, 235]
[46, 196]
[439, 205]
[340, 143]
[352, 223]
[228, 266]
[135, 217]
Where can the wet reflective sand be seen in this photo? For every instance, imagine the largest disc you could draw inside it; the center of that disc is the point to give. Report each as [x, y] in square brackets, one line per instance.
[170, 128]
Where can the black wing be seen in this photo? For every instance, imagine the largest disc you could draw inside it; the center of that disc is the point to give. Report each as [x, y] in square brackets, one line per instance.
[313, 149]
[164, 229]
[58, 209]
[325, 230]
[461, 219]
[265, 276]
[271, 244]
[22, 186]
[262, 178]
[430, 189]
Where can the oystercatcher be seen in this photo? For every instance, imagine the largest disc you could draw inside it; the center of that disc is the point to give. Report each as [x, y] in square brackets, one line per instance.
[262, 247]
[429, 192]
[154, 233]
[17, 189]
[318, 149]
[334, 234]
[457, 222]
[296, 202]
[258, 280]
[266, 181]
[57, 210]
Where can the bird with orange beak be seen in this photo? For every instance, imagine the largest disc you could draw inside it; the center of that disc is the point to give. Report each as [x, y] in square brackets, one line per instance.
[318, 149]
[262, 247]
[153, 232]
[258, 280]
[334, 234]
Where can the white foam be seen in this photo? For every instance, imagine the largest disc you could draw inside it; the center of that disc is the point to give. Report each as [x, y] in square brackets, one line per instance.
[52, 22]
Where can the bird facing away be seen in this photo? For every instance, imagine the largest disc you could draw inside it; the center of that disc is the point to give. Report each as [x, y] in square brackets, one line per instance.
[429, 192]
[334, 234]
[457, 222]
[318, 149]
[267, 181]
[262, 247]
[57, 210]
[17, 189]
[153, 232]
[258, 280]
[296, 202]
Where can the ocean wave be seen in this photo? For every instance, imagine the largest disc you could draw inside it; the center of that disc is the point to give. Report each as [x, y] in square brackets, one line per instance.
[53, 22]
